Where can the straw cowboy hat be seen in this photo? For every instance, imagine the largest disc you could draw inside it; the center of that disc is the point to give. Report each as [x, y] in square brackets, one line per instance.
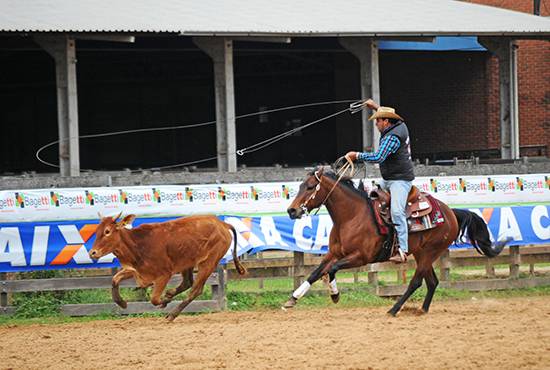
[385, 112]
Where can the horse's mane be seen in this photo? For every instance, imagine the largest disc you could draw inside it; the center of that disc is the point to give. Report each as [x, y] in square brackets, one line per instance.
[347, 183]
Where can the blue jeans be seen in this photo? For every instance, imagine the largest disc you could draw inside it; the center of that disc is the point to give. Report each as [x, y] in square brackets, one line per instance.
[399, 190]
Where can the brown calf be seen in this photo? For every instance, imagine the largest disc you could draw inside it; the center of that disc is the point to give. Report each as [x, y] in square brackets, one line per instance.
[152, 253]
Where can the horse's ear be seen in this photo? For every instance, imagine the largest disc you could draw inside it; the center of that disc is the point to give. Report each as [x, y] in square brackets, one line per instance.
[378, 186]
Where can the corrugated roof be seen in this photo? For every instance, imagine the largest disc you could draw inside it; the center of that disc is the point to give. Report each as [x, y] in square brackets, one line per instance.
[273, 17]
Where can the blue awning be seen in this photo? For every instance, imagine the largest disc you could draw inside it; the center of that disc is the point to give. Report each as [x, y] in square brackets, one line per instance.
[441, 43]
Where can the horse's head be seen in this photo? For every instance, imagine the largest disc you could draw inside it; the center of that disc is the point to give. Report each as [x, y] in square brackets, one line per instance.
[311, 195]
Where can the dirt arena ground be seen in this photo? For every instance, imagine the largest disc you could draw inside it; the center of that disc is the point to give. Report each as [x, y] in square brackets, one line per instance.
[476, 334]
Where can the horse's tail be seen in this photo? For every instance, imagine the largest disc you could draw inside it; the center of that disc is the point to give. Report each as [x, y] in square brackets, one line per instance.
[240, 268]
[473, 226]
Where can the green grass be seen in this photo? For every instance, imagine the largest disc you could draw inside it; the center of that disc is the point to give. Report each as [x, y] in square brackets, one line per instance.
[246, 294]
[358, 296]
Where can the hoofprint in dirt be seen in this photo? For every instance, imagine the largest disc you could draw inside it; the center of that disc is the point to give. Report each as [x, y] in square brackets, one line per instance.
[509, 333]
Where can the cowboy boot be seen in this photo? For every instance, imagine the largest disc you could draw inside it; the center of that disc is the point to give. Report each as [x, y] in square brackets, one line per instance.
[399, 256]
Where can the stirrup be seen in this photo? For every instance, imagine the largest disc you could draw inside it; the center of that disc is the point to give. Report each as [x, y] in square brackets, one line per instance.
[399, 257]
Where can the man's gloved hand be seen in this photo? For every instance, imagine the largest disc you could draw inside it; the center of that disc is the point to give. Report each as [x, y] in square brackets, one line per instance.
[351, 156]
[371, 104]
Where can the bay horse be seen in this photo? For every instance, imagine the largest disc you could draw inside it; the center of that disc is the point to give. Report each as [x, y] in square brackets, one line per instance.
[355, 241]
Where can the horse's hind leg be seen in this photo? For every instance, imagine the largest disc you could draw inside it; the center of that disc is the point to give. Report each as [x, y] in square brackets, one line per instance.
[186, 283]
[416, 282]
[431, 283]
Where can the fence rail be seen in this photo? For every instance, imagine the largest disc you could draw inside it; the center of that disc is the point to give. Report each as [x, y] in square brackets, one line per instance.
[216, 281]
[297, 267]
[513, 256]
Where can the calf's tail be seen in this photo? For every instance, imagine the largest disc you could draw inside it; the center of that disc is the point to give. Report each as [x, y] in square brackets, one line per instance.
[240, 268]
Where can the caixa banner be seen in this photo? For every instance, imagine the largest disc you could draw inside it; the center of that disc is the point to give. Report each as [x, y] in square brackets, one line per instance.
[65, 244]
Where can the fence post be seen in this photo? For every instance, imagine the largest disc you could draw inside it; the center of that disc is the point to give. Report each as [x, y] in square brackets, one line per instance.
[372, 276]
[532, 270]
[515, 260]
[402, 274]
[444, 269]
[298, 269]
[260, 280]
[218, 291]
[3, 292]
[489, 268]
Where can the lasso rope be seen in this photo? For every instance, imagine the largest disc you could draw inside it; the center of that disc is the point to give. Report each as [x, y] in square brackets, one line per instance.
[355, 107]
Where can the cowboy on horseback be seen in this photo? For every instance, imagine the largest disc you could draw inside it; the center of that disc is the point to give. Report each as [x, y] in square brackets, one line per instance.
[356, 238]
[396, 168]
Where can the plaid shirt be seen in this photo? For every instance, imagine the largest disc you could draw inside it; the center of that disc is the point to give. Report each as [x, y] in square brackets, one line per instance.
[389, 145]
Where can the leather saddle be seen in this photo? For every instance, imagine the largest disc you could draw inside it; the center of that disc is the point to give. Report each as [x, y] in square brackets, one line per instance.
[417, 204]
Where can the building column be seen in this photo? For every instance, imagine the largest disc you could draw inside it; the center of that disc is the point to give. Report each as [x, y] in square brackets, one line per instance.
[348, 126]
[62, 49]
[221, 51]
[505, 50]
[365, 50]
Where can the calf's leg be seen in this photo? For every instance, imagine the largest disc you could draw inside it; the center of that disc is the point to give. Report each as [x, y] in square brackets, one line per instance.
[204, 271]
[186, 283]
[158, 288]
[115, 292]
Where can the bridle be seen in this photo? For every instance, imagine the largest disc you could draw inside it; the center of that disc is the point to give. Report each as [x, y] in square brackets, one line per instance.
[340, 174]
[303, 206]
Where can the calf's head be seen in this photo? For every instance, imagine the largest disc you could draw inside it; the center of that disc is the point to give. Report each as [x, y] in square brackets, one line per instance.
[108, 235]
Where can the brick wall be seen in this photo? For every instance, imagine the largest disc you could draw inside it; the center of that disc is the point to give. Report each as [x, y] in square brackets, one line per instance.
[534, 86]
[442, 96]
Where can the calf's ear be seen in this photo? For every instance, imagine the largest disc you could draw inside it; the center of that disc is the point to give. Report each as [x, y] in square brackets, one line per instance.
[127, 220]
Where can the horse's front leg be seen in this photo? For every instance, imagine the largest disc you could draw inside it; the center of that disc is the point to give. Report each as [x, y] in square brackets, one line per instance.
[351, 261]
[322, 269]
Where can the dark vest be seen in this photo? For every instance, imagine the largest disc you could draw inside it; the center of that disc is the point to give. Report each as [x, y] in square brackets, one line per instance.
[398, 165]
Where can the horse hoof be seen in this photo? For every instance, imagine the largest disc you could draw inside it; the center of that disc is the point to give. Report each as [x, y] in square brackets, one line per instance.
[122, 304]
[392, 313]
[290, 303]
[335, 297]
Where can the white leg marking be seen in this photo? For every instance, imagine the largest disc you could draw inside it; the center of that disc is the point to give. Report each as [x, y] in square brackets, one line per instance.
[302, 289]
[333, 288]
